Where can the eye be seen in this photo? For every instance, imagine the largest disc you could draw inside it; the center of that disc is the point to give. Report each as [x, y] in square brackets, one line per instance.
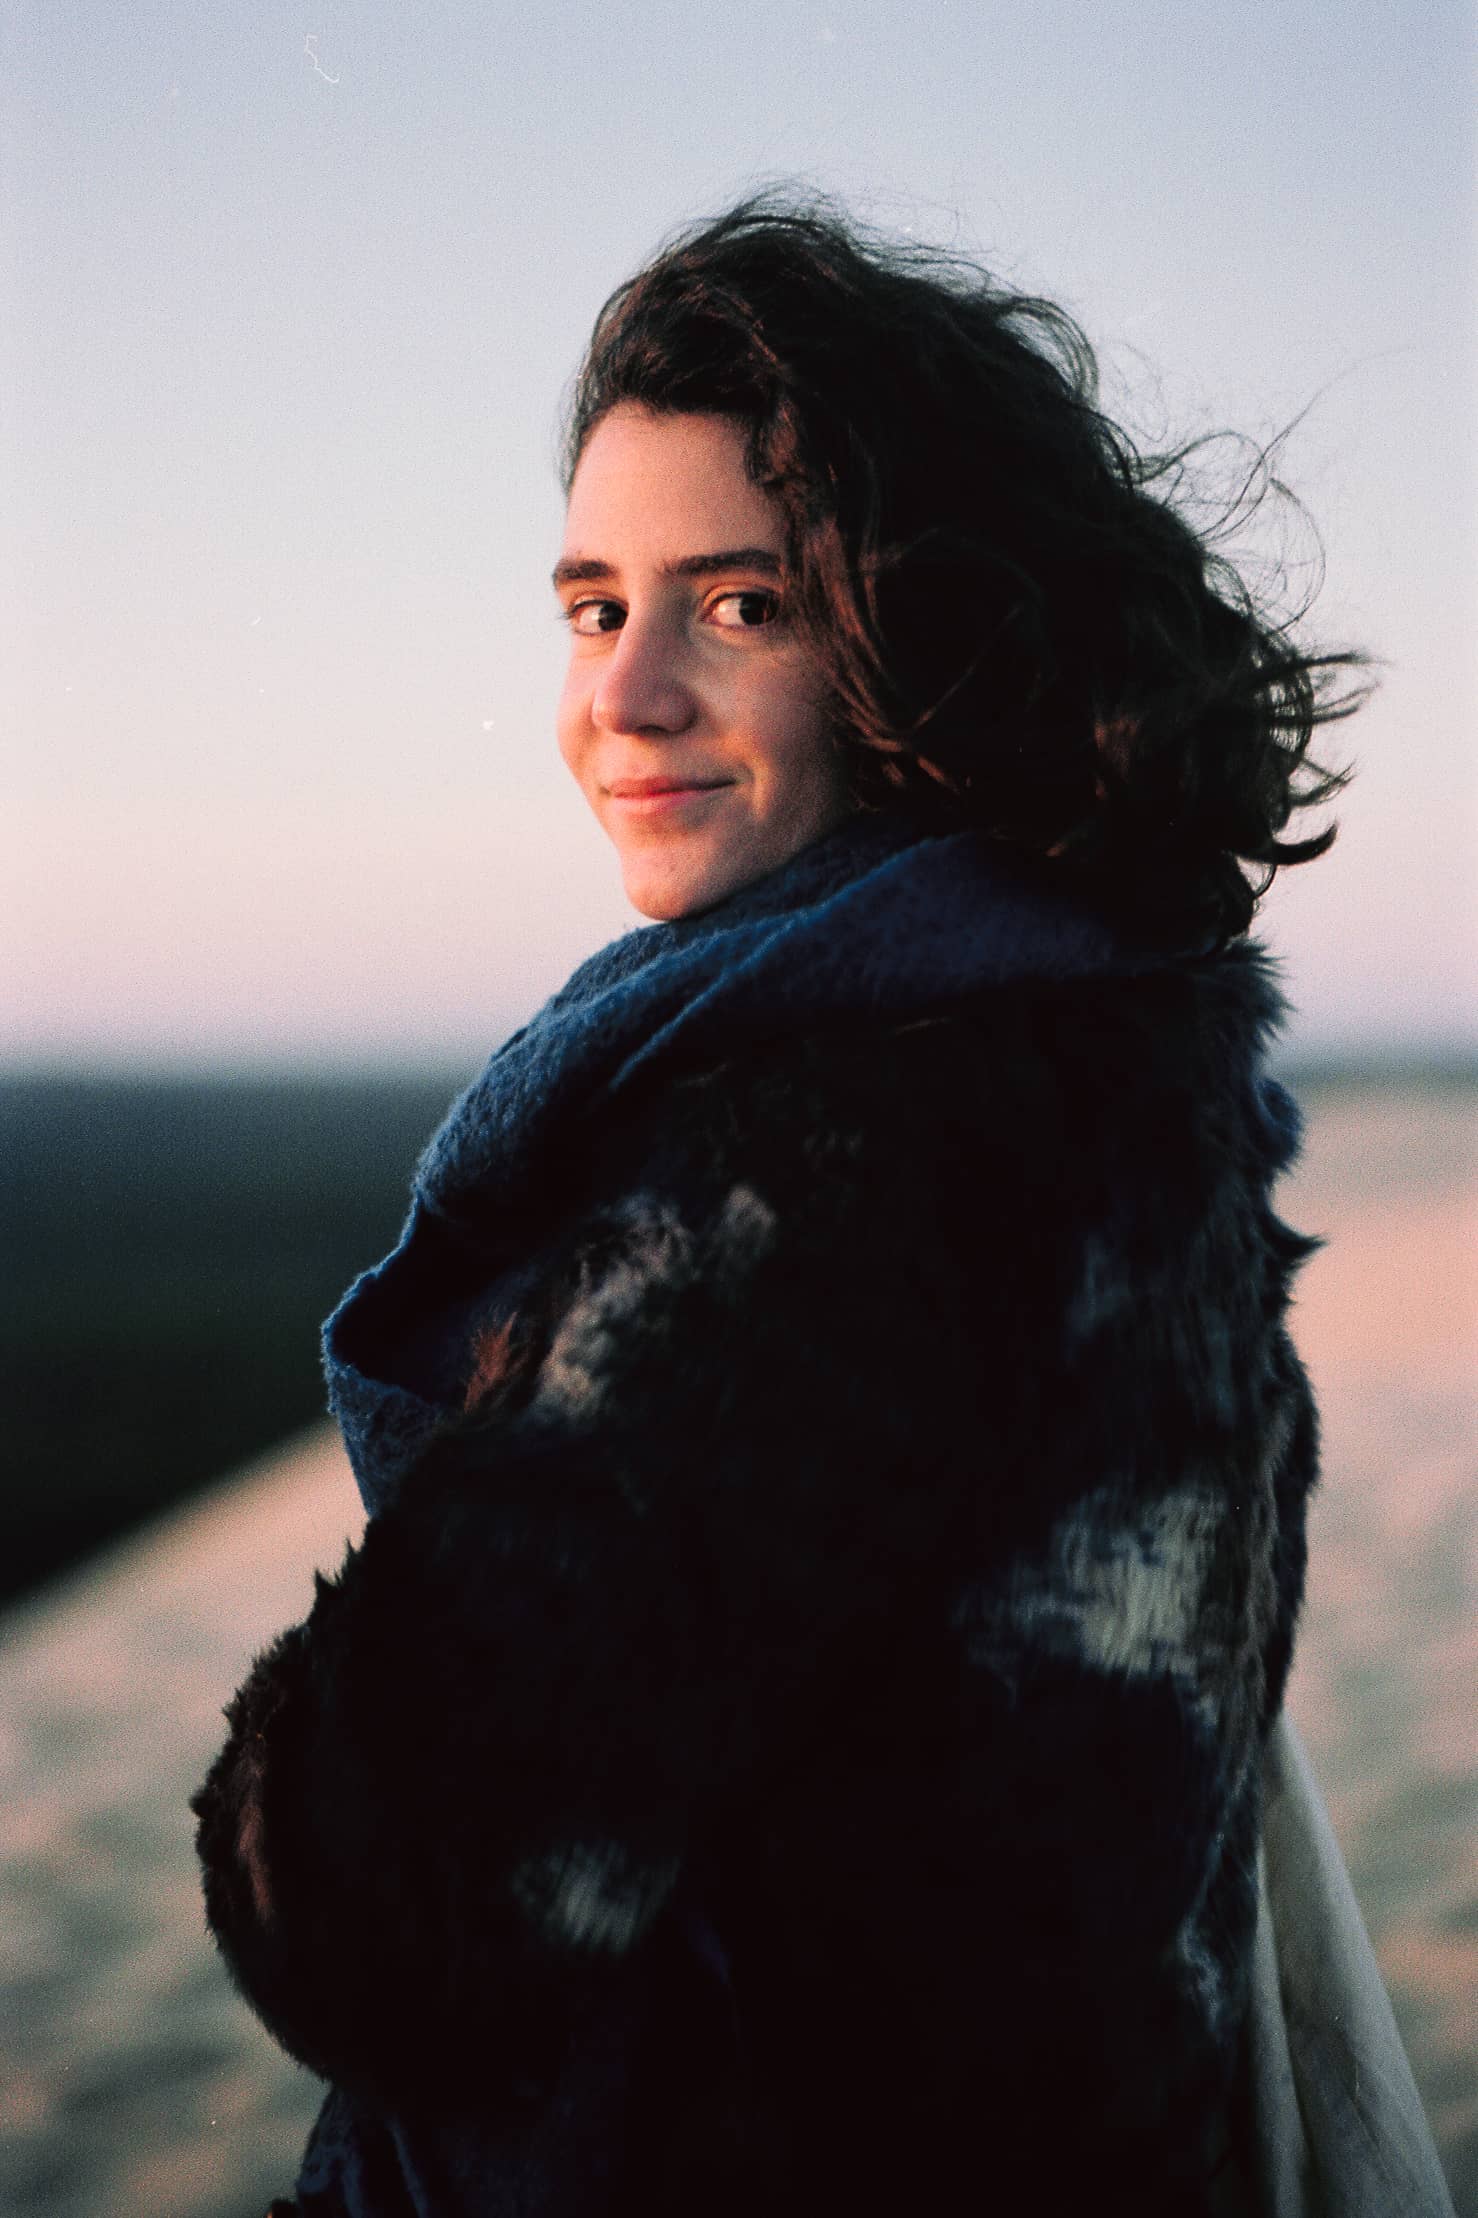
[591, 617]
[744, 611]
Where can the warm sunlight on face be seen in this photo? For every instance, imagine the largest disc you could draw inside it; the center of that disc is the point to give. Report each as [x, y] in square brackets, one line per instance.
[690, 717]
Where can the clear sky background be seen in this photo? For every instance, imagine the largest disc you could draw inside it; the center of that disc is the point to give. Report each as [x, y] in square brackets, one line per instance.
[292, 293]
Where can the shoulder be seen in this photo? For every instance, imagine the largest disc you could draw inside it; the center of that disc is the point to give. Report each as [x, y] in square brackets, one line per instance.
[1045, 1182]
[1059, 1081]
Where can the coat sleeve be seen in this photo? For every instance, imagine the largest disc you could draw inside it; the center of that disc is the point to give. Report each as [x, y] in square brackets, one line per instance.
[791, 1497]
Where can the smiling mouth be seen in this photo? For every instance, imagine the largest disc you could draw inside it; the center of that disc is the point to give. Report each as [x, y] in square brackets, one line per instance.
[657, 789]
[661, 797]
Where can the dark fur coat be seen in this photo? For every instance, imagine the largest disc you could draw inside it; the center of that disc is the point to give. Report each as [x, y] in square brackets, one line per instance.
[795, 1746]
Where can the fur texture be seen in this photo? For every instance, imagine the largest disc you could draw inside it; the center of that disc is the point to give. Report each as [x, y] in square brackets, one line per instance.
[794, 1744]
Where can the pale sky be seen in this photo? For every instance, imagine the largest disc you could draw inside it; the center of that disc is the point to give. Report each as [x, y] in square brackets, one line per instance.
[292, 294]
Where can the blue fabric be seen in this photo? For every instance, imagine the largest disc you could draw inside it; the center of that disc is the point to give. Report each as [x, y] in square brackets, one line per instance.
[870, 919]
[875, 917]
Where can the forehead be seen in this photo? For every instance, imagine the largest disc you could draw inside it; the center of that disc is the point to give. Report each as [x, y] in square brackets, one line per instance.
[651, 486]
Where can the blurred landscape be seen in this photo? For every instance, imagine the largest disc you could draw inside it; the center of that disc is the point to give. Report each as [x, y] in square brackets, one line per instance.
[170, 1249]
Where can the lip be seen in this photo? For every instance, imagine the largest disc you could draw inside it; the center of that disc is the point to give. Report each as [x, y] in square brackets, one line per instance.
[641, 789]
[656, 796]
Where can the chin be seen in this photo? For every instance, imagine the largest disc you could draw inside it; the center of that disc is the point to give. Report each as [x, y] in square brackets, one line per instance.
[684, 878]
[666, 887]
[664, 896]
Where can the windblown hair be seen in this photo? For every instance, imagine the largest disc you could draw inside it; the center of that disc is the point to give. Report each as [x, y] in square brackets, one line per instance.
[1017, 624]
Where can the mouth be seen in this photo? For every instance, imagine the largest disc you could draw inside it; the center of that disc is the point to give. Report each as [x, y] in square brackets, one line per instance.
[641, 789]
[658, 796]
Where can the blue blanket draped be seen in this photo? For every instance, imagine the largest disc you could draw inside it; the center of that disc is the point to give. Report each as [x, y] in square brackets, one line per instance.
[876, 917]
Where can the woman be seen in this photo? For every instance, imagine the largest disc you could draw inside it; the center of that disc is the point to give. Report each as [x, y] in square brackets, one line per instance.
[791, 1737]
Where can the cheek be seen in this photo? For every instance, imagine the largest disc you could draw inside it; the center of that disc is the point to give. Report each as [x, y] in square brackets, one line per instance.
[798, 749]
[571, 724]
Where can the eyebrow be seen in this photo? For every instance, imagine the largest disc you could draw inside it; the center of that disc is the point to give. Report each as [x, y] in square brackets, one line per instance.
[590, 570]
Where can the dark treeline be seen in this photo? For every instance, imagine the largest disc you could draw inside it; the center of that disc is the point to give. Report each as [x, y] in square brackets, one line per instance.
[167, 1250]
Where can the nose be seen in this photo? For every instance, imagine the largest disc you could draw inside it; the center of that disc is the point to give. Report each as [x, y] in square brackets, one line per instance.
[643, 687]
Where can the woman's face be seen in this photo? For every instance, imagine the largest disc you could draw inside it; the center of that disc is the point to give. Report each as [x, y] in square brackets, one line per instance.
[691, 717]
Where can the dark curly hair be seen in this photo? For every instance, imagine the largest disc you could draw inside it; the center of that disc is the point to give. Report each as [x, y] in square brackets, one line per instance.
[1018, 626]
